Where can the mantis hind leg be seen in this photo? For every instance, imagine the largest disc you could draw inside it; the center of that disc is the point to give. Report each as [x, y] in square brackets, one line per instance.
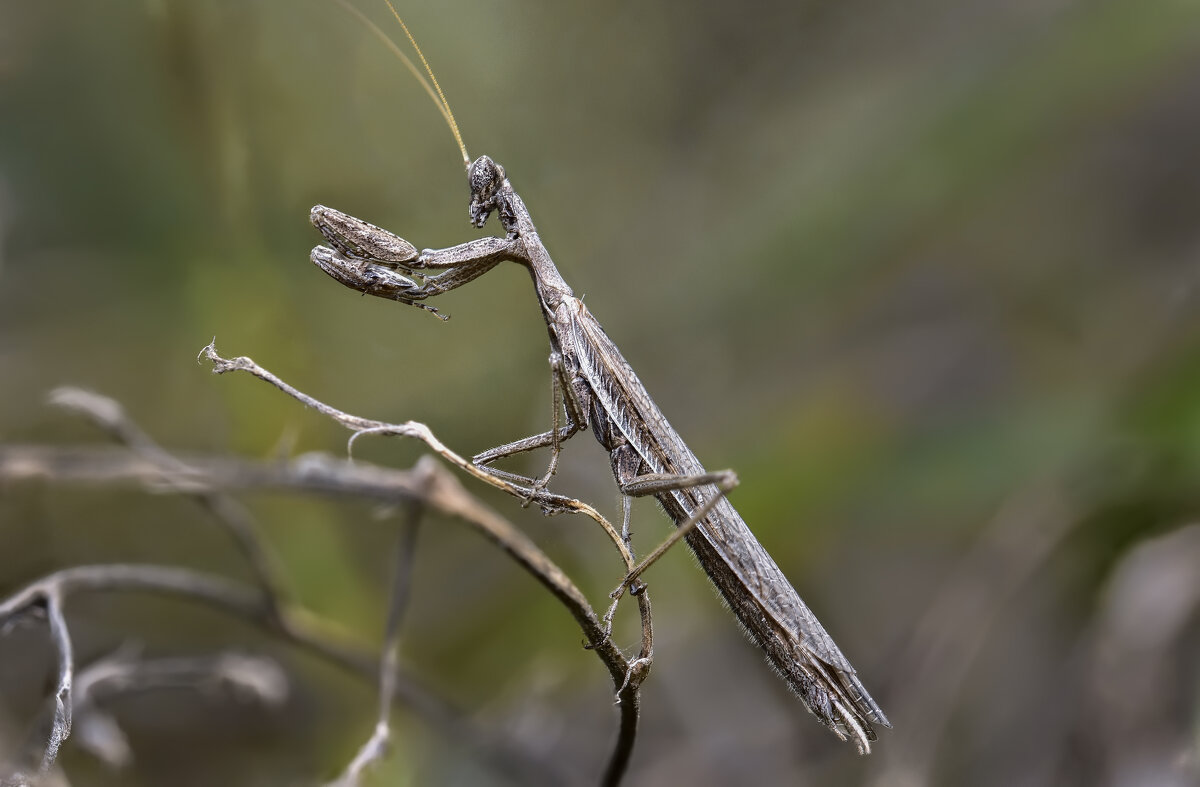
[657, 483]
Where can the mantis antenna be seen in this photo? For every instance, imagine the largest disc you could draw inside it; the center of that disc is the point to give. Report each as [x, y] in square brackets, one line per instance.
[434, 90]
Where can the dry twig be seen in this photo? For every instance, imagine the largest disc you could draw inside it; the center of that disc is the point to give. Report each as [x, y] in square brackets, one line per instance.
[375, 746]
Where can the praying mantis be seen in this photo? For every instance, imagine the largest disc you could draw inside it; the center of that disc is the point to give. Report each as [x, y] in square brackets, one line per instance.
[595, 389]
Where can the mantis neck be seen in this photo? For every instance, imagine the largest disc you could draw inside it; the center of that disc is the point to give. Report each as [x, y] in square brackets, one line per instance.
[552, 289]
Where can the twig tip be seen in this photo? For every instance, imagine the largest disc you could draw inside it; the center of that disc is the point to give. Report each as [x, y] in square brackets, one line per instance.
[209, 352]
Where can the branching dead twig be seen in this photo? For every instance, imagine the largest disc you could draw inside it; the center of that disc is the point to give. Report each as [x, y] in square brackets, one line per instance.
[550, 503]
[48, 594]
[297, 627]
[627, 675]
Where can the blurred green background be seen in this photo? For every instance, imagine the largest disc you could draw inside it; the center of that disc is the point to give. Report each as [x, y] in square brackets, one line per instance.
[924, 274]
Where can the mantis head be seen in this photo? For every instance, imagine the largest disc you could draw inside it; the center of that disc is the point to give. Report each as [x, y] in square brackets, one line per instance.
[485, 178]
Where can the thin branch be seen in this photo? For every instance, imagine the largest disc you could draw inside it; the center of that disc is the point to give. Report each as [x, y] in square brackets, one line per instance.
[629, 699]
[49, 595]
[61, 636]
[550, 503]
[406, 547]
[314, 474]
[376, 746]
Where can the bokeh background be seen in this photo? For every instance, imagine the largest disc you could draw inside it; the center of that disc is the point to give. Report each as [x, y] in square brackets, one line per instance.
[923, 273]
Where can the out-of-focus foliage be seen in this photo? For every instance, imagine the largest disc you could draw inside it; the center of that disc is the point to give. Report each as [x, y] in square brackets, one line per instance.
[923, 273]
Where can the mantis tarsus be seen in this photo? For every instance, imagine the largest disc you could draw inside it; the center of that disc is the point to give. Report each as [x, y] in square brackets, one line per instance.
[595, 388]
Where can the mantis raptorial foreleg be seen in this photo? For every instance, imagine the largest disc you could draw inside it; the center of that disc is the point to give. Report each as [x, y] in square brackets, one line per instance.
[472, 252]
[375, 261]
